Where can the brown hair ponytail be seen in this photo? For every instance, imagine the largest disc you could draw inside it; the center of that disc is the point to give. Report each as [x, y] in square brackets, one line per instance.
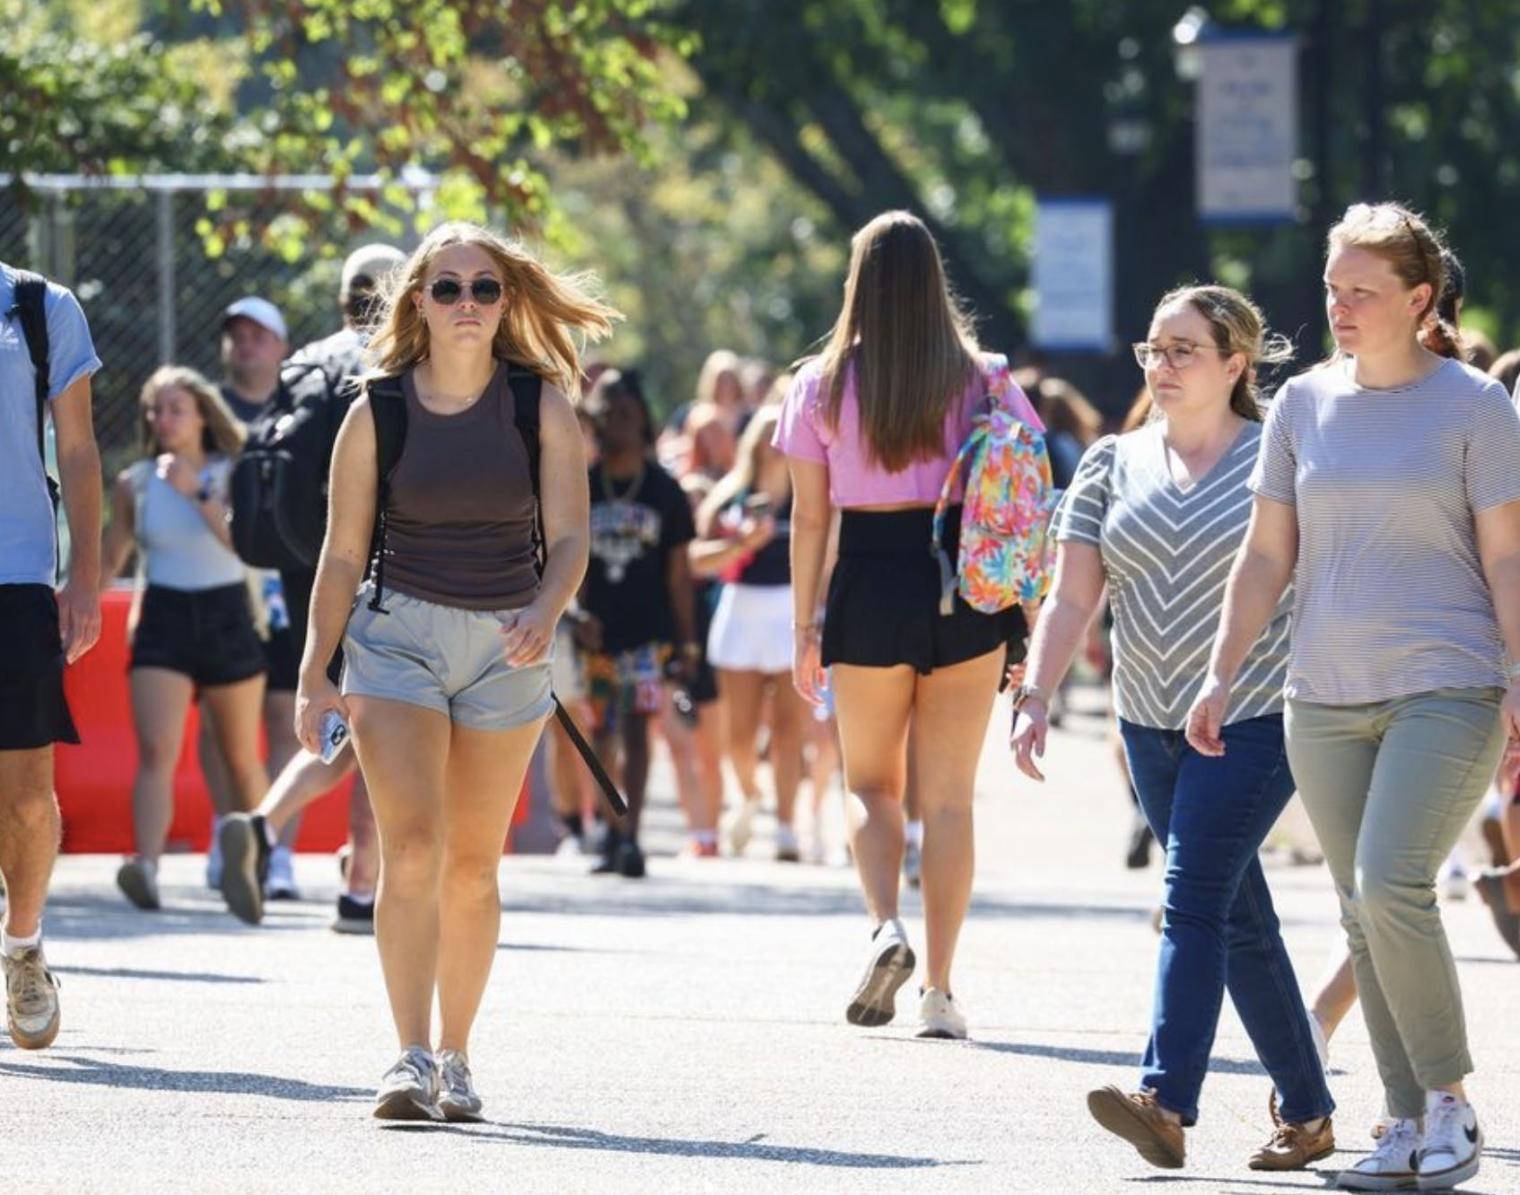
[1414, 250]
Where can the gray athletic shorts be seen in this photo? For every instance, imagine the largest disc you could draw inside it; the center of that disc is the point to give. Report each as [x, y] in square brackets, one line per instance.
[441, 658]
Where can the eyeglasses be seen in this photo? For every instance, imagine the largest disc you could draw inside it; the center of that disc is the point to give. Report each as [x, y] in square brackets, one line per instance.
[448, 291]
[1179, 355]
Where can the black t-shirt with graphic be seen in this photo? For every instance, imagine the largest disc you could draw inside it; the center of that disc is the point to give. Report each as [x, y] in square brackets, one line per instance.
[635, 525]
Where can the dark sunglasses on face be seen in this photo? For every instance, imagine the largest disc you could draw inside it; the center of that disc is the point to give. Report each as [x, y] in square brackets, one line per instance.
[448, 291]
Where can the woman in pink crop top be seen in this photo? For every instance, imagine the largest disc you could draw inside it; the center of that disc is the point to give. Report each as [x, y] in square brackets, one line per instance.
[870, 428]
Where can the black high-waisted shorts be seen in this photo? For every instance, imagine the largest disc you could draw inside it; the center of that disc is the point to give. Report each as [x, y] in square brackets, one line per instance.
[883, 601]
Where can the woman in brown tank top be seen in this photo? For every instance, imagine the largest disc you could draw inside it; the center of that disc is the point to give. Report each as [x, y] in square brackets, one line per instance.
[446, 684]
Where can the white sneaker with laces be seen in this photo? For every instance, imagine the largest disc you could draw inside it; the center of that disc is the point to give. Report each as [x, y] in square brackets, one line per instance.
[458, 1100]
[1453, 1142]
[1393, 1164]
[31, 999]
[889, 966]
[741, 826]
[409, 1090]
[940, 1016]
[281, 884]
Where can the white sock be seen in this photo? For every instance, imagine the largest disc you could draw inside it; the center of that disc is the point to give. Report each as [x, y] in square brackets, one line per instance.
[271, 838]
[13, 947]
[365, 898]
[914, 833]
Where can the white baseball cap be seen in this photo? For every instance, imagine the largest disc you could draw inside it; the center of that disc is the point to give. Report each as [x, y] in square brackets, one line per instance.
[373, 262]
[260, 311]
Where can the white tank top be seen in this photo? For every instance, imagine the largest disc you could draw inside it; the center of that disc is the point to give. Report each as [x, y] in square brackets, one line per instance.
[179, 550]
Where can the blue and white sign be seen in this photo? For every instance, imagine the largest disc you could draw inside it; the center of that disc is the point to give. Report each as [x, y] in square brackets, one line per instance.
[1247, 128]
[1074, 274]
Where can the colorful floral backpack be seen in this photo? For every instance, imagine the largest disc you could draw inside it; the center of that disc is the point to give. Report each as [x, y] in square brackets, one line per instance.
[1007, 506]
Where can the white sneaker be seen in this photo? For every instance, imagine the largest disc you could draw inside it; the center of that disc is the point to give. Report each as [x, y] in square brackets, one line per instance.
[214, 856]
[31, 999]
[409, 1090]
[457, 1101]
[940, 1016]
[788, 850]
[1393, 1164]
[1454, 884]
[741, 826]
[889, 966]
[1453, 1142]
[281, 884]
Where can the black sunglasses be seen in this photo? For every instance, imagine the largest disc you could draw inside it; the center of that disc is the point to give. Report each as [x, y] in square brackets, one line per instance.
[448, 291]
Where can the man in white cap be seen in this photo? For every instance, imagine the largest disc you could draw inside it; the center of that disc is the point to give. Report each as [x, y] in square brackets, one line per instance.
[256, 849]
[254, 342]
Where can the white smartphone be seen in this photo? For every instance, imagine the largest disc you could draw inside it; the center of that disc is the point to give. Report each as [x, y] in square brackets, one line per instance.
[332, 735]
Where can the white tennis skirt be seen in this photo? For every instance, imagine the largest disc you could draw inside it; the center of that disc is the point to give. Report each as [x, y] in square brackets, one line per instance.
[752, 629]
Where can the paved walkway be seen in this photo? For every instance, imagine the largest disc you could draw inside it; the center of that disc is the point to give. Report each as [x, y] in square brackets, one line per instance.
[685, 1033]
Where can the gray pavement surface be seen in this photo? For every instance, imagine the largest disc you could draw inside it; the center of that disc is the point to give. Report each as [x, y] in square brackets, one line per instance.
[687, 1033]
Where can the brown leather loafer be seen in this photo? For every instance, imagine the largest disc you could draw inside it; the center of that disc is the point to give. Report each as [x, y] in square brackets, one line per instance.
[1293, 1147]
[1139, 1119]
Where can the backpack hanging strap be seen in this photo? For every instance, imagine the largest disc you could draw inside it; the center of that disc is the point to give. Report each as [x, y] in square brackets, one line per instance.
[387, 403]
[527, 390]
[30, 308]
[947, 578]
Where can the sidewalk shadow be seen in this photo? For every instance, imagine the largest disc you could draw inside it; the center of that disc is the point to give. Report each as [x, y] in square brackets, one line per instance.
[171, 976]
[1326, 1180]
[1118, 1058]
[75, 917]
[151, 1078]
[753, 1150]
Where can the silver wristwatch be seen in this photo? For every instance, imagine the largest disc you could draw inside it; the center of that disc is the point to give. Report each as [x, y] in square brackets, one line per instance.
[1024, 692]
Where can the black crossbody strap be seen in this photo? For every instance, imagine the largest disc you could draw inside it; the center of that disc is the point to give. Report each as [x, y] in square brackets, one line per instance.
[387, 404]
[31, 309]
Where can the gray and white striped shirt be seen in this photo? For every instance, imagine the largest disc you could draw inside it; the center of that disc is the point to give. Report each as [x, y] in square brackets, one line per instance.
[1167, 554]
[1392, 597]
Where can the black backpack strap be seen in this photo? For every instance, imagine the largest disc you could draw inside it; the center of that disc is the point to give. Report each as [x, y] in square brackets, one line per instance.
[387, 403]
[31, 309]
[527, 391]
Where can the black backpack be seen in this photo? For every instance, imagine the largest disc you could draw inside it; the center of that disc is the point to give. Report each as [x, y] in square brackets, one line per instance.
[30, 308]
[387, 403]
[279, 482]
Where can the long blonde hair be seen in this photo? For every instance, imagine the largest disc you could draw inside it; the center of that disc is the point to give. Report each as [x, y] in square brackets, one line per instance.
[1408, 244]
[541, 310]
[222, 432]
[741, 478]
[911, 344]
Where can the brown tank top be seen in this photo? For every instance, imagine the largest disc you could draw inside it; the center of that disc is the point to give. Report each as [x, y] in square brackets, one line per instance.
[459, 524]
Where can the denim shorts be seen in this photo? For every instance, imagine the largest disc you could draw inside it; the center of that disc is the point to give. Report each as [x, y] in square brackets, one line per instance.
[441, 658]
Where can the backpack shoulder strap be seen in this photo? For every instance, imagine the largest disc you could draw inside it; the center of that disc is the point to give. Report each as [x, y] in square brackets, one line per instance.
[527, 391]
[31, 309]
[387, 405]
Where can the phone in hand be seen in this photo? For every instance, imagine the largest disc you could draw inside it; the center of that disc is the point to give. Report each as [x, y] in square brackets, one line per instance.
[332, 735]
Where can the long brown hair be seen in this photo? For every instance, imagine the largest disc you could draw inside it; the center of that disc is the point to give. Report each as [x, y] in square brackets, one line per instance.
[540, 309]
[1238, 327]
[1408, 244]
[910, 342]
[222, 432]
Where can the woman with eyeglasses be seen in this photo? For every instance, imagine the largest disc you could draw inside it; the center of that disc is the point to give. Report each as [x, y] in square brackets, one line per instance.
[446, 672]
[1155, 516]
[1388, 491]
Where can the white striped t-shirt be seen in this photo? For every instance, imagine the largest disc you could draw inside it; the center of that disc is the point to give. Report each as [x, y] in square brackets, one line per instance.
[1167, 554]
[1391, 594]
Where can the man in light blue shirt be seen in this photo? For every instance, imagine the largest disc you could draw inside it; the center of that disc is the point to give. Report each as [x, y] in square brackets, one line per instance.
[44, 630]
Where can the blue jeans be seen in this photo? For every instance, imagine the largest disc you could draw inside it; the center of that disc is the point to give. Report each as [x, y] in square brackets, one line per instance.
[1220, 929]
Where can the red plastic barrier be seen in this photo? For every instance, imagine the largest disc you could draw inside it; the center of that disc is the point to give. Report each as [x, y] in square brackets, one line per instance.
[94, 779]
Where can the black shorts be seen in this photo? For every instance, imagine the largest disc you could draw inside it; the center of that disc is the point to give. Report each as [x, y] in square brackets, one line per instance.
[883, 603]
[33, 710]
[283, 660]
[207, 634]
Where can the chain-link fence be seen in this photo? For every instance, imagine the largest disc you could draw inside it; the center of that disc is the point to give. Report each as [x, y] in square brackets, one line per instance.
[136, 253]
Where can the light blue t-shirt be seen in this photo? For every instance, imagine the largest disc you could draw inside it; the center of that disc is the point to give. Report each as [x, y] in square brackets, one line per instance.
[27, 548]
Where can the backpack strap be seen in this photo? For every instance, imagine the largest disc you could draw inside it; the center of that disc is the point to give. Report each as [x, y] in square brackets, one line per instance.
[947, 578]
[387, 404]
[527, 391]
[30, 308]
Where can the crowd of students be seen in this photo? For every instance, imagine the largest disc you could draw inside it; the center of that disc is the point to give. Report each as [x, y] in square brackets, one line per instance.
[509, 528]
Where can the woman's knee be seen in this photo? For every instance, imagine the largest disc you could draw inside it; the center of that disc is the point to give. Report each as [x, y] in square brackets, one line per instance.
[471, 873]
[157, 758]
[878, 792]
[412, 854]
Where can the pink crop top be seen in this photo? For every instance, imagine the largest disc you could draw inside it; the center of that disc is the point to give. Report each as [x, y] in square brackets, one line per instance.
[803, 432]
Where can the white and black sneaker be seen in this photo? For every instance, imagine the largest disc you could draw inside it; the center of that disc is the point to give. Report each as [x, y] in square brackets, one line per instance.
[889, 967]
[1393, 1164]
[1453, 1142]
[409, 1090]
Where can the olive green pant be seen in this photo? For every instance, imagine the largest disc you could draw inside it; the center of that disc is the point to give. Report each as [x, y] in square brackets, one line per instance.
[1390, 787]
